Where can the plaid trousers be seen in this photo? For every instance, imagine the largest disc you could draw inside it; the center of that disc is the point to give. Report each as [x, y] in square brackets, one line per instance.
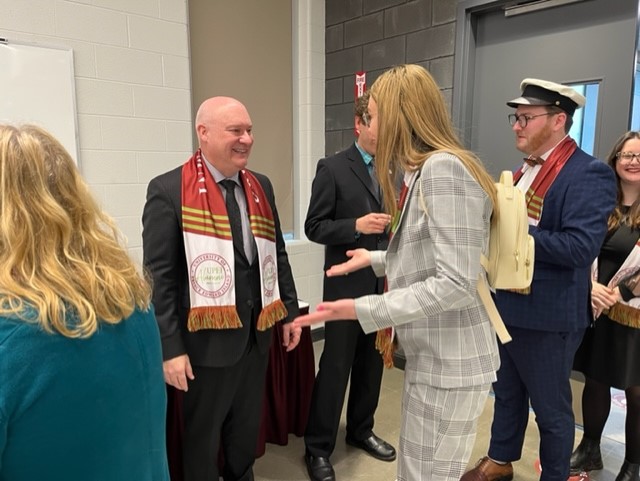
[438, 430]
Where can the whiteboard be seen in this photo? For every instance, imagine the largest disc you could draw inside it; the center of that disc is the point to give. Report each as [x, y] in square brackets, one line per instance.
[37, 86]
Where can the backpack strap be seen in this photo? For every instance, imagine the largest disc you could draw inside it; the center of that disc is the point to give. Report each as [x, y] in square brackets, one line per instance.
[482, 287]
[484, 262]
[492, 310]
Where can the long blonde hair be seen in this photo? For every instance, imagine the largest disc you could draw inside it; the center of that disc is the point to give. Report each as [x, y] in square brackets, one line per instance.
[413, 124]
[61, 261]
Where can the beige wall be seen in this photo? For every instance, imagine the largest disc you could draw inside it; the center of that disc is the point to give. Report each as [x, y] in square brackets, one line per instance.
[243, 49]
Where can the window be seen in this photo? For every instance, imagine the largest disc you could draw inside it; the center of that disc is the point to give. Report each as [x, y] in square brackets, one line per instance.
[583, 130]
[635, 107]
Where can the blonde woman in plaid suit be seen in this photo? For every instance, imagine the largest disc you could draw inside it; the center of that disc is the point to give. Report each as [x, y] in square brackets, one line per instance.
[432, 266]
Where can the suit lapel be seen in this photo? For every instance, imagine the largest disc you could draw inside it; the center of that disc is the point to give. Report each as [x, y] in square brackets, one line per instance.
[360, 169]
[406, 207]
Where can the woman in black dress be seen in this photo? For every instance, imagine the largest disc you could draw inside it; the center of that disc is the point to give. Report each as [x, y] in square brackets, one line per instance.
[610, 352]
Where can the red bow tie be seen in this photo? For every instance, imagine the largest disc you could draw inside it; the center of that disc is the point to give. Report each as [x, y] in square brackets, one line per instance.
[533, 161]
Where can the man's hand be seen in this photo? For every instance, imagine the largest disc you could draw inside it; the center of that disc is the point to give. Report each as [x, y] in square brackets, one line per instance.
[176, 371]
[373, 223]
[290, 336]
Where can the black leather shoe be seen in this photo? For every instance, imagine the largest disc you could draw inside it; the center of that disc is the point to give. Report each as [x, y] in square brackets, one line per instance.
[319, 468]
[376, 447]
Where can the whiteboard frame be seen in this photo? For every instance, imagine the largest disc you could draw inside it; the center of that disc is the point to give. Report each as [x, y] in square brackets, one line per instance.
[47, 92]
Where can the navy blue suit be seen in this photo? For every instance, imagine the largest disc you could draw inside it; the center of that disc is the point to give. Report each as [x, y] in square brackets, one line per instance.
[548, 324]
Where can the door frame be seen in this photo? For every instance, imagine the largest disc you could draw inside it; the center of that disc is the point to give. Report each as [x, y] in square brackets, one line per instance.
[464, 60]
[467, 15]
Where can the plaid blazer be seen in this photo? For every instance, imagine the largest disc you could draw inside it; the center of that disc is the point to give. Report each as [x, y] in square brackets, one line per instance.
[432, 266]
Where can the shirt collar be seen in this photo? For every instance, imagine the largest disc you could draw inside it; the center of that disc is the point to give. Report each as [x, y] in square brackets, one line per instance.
[366, 156]
[217, 175]
[544, 156]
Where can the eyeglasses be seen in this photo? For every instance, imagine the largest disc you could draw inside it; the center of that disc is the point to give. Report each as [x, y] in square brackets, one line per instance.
[523, 119]
[366, 120]
[627, 157]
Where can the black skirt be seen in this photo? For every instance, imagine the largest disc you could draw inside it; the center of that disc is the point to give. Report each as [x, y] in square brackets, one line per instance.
[610, 354]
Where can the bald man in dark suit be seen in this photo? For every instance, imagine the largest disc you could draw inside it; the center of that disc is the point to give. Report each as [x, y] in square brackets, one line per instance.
[213, 245]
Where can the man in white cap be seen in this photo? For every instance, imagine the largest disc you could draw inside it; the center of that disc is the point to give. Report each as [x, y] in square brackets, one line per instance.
[569, 197]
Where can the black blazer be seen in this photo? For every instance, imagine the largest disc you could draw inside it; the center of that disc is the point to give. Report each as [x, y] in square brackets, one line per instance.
[342, 191]
[164, 257]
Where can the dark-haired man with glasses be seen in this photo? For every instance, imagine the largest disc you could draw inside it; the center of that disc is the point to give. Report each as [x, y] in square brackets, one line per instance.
[569, 197]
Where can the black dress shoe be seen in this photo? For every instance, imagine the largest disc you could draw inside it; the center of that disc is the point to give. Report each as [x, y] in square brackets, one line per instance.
[319, 468]
[376, 447]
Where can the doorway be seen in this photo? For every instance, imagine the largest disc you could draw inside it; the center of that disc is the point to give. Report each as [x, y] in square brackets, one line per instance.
[590, 42]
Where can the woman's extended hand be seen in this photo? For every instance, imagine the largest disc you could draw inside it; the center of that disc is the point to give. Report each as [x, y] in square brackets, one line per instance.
[359, 258]
[343, 309]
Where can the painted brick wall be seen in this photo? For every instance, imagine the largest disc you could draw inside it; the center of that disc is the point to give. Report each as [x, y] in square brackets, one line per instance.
[373, 35]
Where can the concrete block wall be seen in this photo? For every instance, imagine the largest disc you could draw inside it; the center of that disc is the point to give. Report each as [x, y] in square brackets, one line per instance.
[133, 90]
[374, 35]
[307, 258]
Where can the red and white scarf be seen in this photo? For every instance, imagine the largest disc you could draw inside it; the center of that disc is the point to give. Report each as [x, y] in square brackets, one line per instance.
[209, 250]
[534, 196]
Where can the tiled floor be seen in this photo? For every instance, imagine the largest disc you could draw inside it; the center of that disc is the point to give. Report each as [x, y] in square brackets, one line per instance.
[286, 462]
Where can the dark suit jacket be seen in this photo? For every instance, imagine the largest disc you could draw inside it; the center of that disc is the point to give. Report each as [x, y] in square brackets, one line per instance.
[164, 257]
[567, 239]
[342, 191]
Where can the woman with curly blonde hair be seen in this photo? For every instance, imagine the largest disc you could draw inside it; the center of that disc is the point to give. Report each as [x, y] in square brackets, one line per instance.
[81, 388]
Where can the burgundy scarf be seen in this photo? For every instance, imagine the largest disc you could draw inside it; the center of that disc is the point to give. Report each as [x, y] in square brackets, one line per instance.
[209, 250]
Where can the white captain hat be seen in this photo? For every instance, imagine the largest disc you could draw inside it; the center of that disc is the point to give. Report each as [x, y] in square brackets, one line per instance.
[544, 92]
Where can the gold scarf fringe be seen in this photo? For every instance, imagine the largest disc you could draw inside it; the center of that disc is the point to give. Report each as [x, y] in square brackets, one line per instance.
[271, 314]
[209, 317]
[625, 315]
[386, 347]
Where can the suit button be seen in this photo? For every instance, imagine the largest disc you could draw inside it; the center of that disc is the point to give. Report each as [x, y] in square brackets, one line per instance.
[250, 303]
